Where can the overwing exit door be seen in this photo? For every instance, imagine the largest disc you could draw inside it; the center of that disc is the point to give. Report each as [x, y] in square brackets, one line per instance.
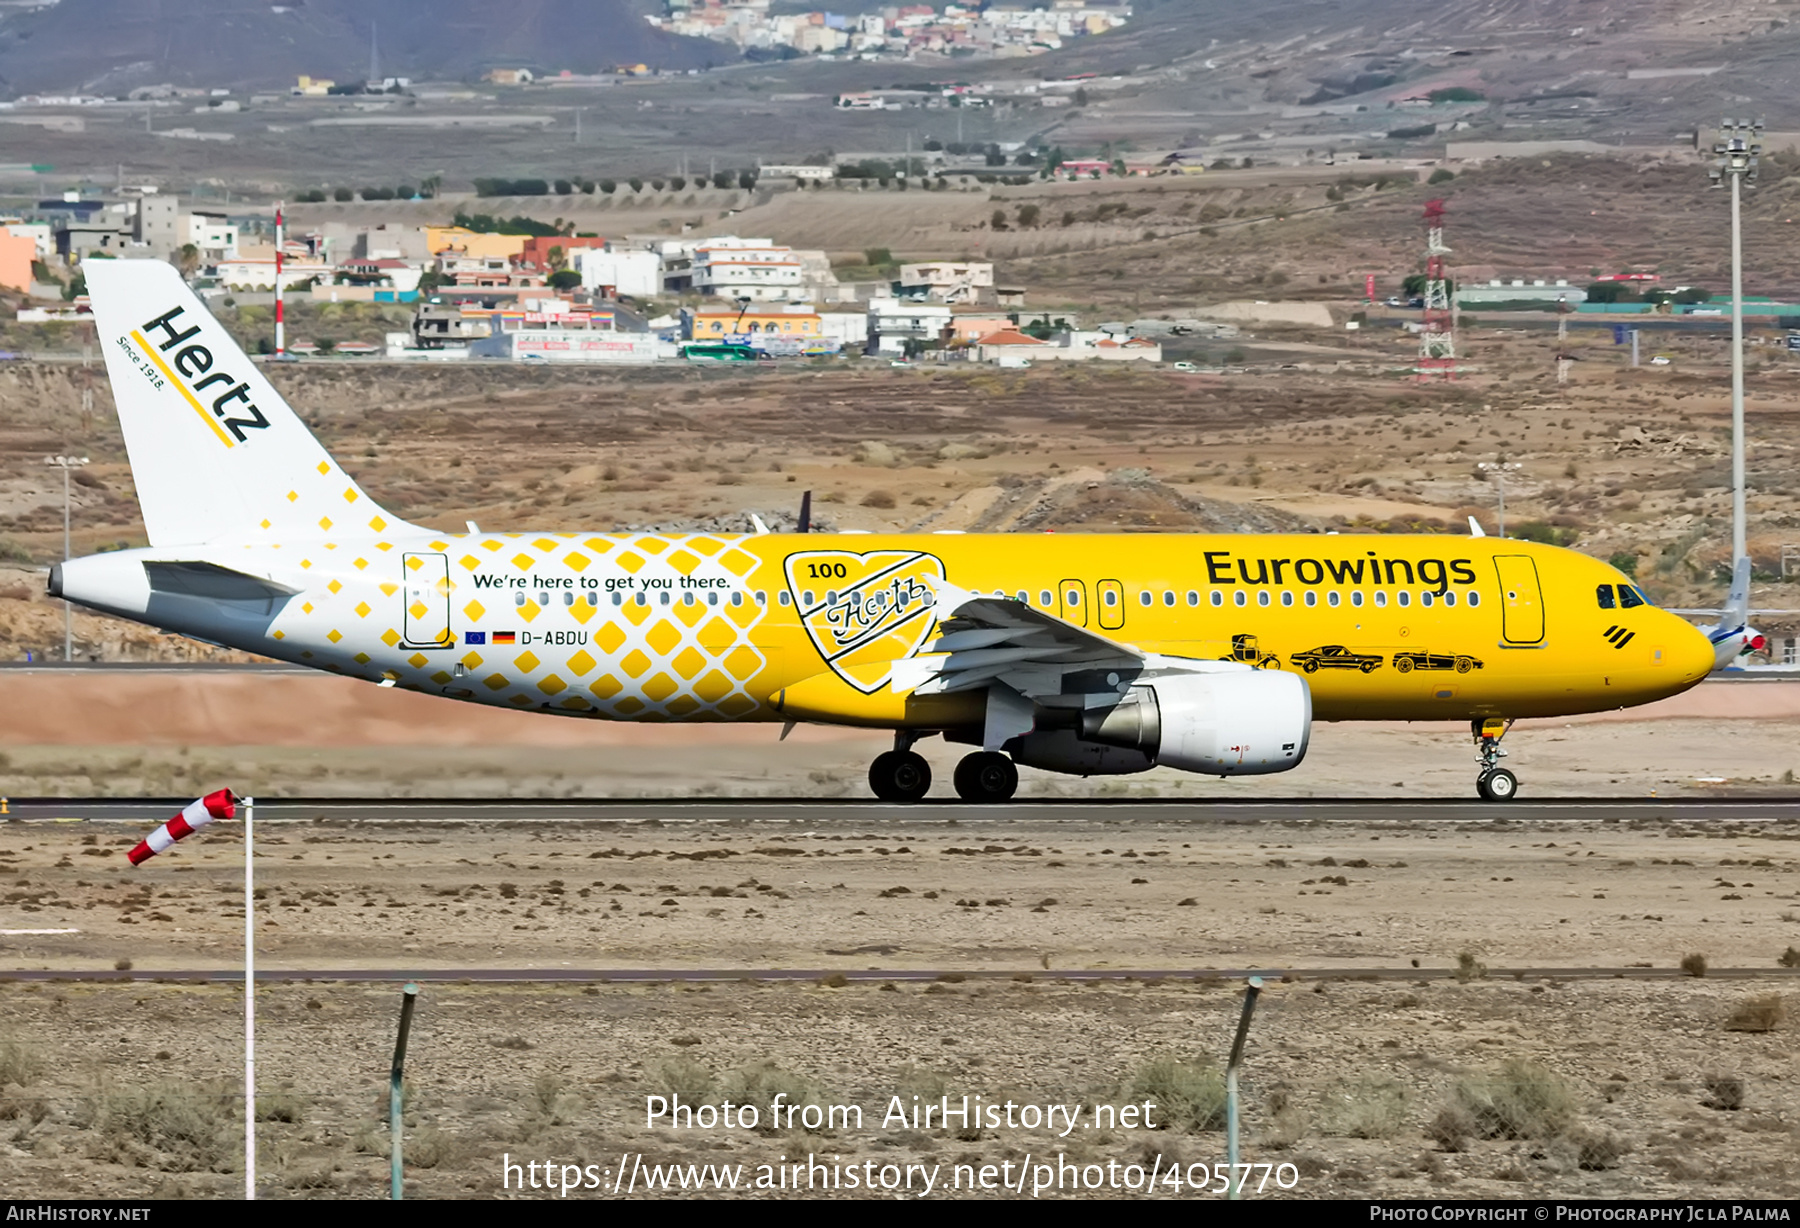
[1071, 596]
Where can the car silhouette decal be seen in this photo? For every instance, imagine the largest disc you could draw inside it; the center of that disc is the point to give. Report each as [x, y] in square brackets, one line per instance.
[1335, 656]
[1462, 663]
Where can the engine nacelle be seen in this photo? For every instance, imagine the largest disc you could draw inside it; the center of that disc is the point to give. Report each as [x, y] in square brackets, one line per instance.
[1061, 750]
[1246, 723]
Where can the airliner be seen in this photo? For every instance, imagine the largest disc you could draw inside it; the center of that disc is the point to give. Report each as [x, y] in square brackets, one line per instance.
[1073, 653]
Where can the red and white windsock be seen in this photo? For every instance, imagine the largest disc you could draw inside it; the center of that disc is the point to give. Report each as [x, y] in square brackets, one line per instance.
[220, 805]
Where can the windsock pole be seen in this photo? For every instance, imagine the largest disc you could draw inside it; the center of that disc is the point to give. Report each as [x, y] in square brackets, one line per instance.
[280, 242]
[249, 1002]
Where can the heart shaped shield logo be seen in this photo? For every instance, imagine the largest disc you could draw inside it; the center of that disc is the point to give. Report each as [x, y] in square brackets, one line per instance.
[864, 611]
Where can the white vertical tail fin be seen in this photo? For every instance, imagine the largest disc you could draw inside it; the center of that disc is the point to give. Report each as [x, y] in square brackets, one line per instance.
[216, 454]
[1737, 602]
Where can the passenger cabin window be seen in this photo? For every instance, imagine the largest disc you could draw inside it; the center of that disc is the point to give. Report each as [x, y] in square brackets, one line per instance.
[1218, 597]
[1239, 598]
[1072, 597]
[1169, 597]
[1044, 597]
[518, 598]
[1604, 595]
[1110, 597]
[1193, 597]
[568, 597]
[618, 598]
[1629, 597]
[1144, 598]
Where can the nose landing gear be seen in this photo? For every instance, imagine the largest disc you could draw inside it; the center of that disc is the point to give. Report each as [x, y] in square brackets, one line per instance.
[1495, 783]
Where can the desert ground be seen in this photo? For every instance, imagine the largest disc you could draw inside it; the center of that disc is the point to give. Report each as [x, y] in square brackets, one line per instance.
[1445, 1076]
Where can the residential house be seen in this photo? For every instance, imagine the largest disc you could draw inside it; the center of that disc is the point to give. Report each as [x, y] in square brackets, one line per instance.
[732, 268]
[945, 281]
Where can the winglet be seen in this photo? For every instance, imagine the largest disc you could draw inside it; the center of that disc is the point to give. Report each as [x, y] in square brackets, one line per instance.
[756, 522]
[1475, 529]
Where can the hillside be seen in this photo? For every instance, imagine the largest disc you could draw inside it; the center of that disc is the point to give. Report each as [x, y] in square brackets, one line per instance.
[113, 46]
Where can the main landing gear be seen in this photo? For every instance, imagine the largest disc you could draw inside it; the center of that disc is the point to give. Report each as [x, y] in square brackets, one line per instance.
[1495, 784]
[902, 775]
[986, 776]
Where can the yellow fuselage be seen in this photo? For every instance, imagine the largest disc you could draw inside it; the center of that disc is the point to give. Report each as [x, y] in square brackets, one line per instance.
[783, 626]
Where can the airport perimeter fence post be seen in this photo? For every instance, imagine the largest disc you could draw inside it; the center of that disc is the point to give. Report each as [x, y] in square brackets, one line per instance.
[409, 996]
[1234, 1187]
[249, 1001]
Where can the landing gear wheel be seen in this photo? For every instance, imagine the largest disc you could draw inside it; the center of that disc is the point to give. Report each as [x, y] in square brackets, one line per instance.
[986, 776]
[900, 776]
[1498, 785]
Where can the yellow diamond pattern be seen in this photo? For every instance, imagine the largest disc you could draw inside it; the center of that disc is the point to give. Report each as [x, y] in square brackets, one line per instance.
[577, 561]
[581, 663]
[362, 609]
[474, 610]
[417, 609]
[390, 637]
[690, 662]
[552, 685]
[388, 589]
[609, 637]
[523, 561]
[334, 635]
[635, 663]
[469, 562]
[494, 682]
[663, 637]
[418, 660]
[526, 661]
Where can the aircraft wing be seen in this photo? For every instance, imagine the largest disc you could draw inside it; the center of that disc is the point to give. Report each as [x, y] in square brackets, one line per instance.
[999, 639]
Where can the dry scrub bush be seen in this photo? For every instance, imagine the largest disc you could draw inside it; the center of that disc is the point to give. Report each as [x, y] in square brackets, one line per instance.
[684, 1077]
[761, 1083]
[18, 1064]
[282, 1106]
[1595, 1148]
[1789, 958]
[1374, 1106]
[1724, 1093]
[1452, 1128]
[1468, 968]
[1520, 1100]
[435, 1148]
[1763, 1013]
[1694, 965]
[1191, 1095]
[176, 1127]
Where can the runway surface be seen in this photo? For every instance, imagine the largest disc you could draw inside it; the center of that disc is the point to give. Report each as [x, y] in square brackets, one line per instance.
[839, 810]
[592, 976]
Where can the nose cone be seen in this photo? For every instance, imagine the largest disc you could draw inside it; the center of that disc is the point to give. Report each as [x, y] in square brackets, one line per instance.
[1691, 655]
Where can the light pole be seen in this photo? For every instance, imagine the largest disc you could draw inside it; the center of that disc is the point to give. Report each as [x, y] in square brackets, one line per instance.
[66, 463]
[1498, 470]
[1739, 150]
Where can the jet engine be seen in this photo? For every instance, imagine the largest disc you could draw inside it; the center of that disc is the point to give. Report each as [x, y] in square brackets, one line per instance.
[1247, 723]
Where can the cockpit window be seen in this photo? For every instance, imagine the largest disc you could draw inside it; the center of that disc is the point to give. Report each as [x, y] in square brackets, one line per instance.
[1604, 594]
[1629, 597]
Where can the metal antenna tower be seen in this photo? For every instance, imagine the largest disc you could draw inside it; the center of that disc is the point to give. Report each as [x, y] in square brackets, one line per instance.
[1437, 335]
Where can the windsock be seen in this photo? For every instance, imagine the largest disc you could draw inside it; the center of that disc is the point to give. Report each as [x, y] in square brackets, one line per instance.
[220, 805]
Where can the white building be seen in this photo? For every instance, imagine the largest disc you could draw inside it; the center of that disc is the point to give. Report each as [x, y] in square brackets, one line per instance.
[893, 323]
[732, 268]
[617, 272]
[849, 329]
[947, 281]
[214, 236]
